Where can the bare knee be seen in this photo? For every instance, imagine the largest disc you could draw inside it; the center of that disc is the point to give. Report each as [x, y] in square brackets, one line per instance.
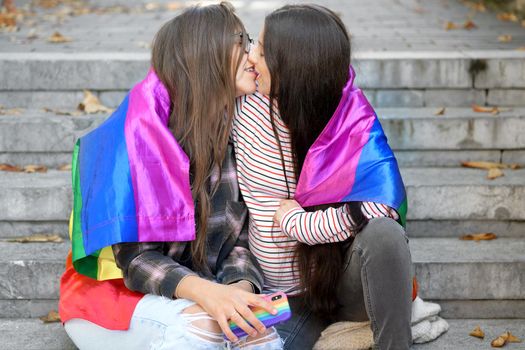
[201, 324]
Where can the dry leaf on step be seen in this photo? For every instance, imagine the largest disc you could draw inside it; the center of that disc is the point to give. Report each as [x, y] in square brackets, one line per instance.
[450, 25]
[494, 173]
[469, 25]
[37, 237]
[9, 167]
[58, 38]
[481, 109]
[440, 111]
[506, 38]
[7, 20]
[35, 169]
[52, 316]
[491, 165]
[173, 6]
[498, 342]
[65, 167]
[91, 104]
[59, 112]
[478, 237]
[507, 16]
[513, 339]
[478, 333]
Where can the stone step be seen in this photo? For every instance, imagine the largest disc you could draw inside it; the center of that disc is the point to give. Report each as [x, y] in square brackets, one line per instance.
[447, 270]
[457, 337]
[415, 228]
[106, 71]
[433, 193]
[418, 137]
[32, 334]
[380, 98]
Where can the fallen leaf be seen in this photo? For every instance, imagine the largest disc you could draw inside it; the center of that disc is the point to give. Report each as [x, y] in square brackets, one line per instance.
[498, 342]
[9, 167]
[59, 112]
[506, 38]
[151, 6]
[52, 316]
[494, 173]
[450, 25]
[173, 6]
[91, 104]
[481, 109]
[478, 333]
[469, 25]
[478, 237]
[37, 237]
[11, 111]
[65, 167]
[7, 20]
[523, 23]
[522, 48]
[440, 111]
[491, 165]
[48, 4]
[513, 339]
[35, 169]
[58, 38]
[507, 16]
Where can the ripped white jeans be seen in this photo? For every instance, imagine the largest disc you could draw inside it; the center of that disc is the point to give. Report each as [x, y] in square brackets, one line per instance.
[158, 323]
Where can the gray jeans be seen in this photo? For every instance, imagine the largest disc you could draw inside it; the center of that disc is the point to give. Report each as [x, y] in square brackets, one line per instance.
[376, 285]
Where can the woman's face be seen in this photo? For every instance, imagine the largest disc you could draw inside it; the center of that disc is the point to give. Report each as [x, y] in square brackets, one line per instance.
[257, 58]
[246, 73]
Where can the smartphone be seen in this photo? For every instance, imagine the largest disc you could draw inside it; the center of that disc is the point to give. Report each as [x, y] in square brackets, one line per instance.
[279, 301]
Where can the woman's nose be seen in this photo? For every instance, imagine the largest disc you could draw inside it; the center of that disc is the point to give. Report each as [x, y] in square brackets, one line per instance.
[252, 58]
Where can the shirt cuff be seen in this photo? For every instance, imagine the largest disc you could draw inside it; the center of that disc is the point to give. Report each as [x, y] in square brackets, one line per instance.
[288, 220]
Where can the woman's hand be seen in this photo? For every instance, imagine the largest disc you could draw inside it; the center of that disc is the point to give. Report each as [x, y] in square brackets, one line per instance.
[226, 303]
[285, 206]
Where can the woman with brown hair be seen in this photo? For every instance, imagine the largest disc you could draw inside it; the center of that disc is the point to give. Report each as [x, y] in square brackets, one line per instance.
[156, 194]
[309, 138]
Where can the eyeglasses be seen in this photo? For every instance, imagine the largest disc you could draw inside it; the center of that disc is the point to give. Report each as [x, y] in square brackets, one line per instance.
[246, 41]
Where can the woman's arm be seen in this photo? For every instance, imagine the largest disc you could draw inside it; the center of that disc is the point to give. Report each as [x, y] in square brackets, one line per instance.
[324, 226]
[240, 264]
[147, 270]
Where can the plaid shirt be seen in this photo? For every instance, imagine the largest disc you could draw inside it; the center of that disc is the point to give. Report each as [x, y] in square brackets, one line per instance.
[158, 267]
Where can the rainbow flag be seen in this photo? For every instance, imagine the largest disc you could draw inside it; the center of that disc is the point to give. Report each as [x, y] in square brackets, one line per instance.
[130, 182]
[351, 159]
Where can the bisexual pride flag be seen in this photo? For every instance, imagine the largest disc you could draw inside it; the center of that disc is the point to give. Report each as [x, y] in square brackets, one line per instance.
[130, 182]
[351, 159]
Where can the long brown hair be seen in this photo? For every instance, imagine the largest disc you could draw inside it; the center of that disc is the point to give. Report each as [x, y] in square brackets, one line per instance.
[307, 50]
[192, 56]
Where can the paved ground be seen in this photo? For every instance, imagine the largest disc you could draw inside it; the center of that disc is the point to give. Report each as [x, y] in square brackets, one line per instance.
[379, 25]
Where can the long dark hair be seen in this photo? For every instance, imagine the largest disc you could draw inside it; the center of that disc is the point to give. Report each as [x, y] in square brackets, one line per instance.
[192, 56]
[307, 51]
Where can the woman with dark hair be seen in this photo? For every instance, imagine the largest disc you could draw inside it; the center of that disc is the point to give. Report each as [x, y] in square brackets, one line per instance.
[160, 256]
[309, 138]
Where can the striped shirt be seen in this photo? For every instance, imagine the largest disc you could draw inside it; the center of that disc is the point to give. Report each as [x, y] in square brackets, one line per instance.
[263, 185]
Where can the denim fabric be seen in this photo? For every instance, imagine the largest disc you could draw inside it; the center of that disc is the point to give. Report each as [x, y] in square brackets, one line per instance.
[156, 324]
[376, 285]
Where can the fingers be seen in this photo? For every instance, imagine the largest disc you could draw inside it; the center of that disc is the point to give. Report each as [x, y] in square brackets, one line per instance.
[249, 316]
[241, 322]
[225, 326]
[265, 304]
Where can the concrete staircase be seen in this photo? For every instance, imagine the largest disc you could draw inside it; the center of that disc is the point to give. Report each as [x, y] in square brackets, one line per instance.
[475, 283]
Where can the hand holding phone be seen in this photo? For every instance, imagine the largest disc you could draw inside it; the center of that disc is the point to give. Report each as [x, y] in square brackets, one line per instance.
[279, 301]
